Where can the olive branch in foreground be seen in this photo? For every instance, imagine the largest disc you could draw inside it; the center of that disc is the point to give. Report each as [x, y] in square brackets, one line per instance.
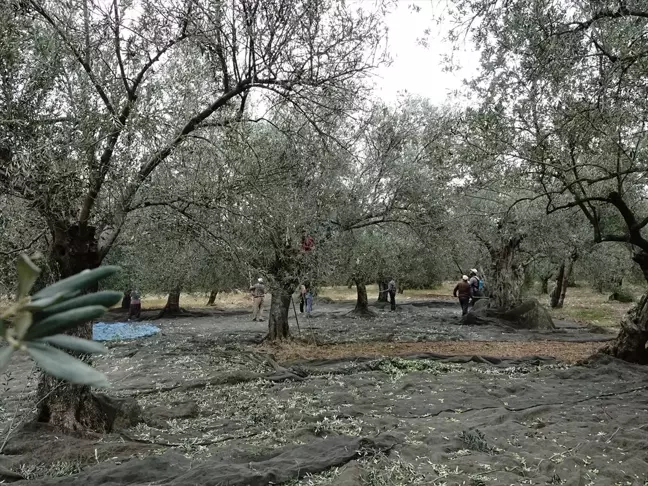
[34, 324]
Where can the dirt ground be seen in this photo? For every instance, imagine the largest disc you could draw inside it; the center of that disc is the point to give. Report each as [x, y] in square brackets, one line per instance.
[409, 397]
[567, 352]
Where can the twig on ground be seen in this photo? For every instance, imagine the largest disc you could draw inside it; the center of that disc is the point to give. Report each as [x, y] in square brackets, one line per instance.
[203, 443]
[612, 436]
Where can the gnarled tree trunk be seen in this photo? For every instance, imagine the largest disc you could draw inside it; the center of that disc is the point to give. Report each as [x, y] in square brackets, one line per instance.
[505, 283]
[568, 275]
[557, 290]
[630, 343]
[382, 291]
[362, 301]
[212, 297]
[61, 404]
[278, 328]
[172, 307]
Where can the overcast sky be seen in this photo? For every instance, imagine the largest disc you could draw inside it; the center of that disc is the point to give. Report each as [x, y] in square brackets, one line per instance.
[419, 69]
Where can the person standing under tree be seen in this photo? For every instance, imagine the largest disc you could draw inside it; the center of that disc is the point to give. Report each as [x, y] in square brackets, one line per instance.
[463, 290]
[302, 297]
[476, 285]
[126, 301]
[391, 288]
[135, 308]
[309, 299]
[258, 294]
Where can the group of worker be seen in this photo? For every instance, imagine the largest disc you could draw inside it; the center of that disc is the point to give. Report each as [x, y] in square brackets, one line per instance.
[468, 290]
[133, 303]
[258, 291]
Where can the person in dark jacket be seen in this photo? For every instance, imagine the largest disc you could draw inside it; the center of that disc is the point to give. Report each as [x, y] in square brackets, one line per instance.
[463, 290]
[391, 288]
[135, 305]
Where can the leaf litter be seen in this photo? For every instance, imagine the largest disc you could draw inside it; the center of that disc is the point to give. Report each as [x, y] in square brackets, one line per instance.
[455, 420]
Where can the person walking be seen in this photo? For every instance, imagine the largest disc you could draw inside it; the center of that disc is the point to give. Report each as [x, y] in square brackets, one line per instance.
[463, 290]
[391, 288]
[258, 294]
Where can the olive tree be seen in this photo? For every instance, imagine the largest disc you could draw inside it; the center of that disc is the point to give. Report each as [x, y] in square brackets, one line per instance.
[98, 96]
[564, 89]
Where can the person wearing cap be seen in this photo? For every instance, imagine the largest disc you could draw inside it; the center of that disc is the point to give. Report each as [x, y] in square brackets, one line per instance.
[463, 290]
[258, 294]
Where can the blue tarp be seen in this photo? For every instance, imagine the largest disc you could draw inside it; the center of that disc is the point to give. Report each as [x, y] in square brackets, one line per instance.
[119, 331]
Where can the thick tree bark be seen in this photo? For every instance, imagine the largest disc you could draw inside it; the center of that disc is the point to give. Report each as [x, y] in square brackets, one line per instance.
[362, 301]
[557, 290]
[630, 343]
[382, 291]
[61, 404]
[172, 307]
[568, 275]
[212, 297]
[505, 283]
[278, 328]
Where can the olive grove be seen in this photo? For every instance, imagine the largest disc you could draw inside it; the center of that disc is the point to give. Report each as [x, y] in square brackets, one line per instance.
[198, 144]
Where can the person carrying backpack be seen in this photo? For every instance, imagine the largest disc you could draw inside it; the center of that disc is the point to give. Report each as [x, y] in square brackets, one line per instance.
[476, 285]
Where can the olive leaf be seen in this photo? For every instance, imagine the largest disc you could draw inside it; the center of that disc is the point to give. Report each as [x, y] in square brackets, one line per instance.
[36, 324]
[40, 304]
[21, 323]
[106, 298]
[63, 321]
[74, 344]
[28, 272]
[61, 365]
[77, 282]
[5, 356]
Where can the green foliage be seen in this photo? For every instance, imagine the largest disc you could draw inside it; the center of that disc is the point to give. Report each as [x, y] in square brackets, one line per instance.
[33, 324]
[476, 441]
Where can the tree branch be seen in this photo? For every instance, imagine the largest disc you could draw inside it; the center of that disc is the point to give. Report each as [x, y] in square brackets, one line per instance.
[621, 12]
[159, 156]
[79, 57]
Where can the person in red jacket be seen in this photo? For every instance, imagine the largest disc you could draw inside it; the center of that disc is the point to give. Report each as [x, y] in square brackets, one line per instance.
[463, 290]
[307, 241]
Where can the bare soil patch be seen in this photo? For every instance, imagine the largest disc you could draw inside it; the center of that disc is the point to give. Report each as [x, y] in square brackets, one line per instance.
[563, 351]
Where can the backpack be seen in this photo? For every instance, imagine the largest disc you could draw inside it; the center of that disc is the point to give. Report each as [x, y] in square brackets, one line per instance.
[480, 285]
